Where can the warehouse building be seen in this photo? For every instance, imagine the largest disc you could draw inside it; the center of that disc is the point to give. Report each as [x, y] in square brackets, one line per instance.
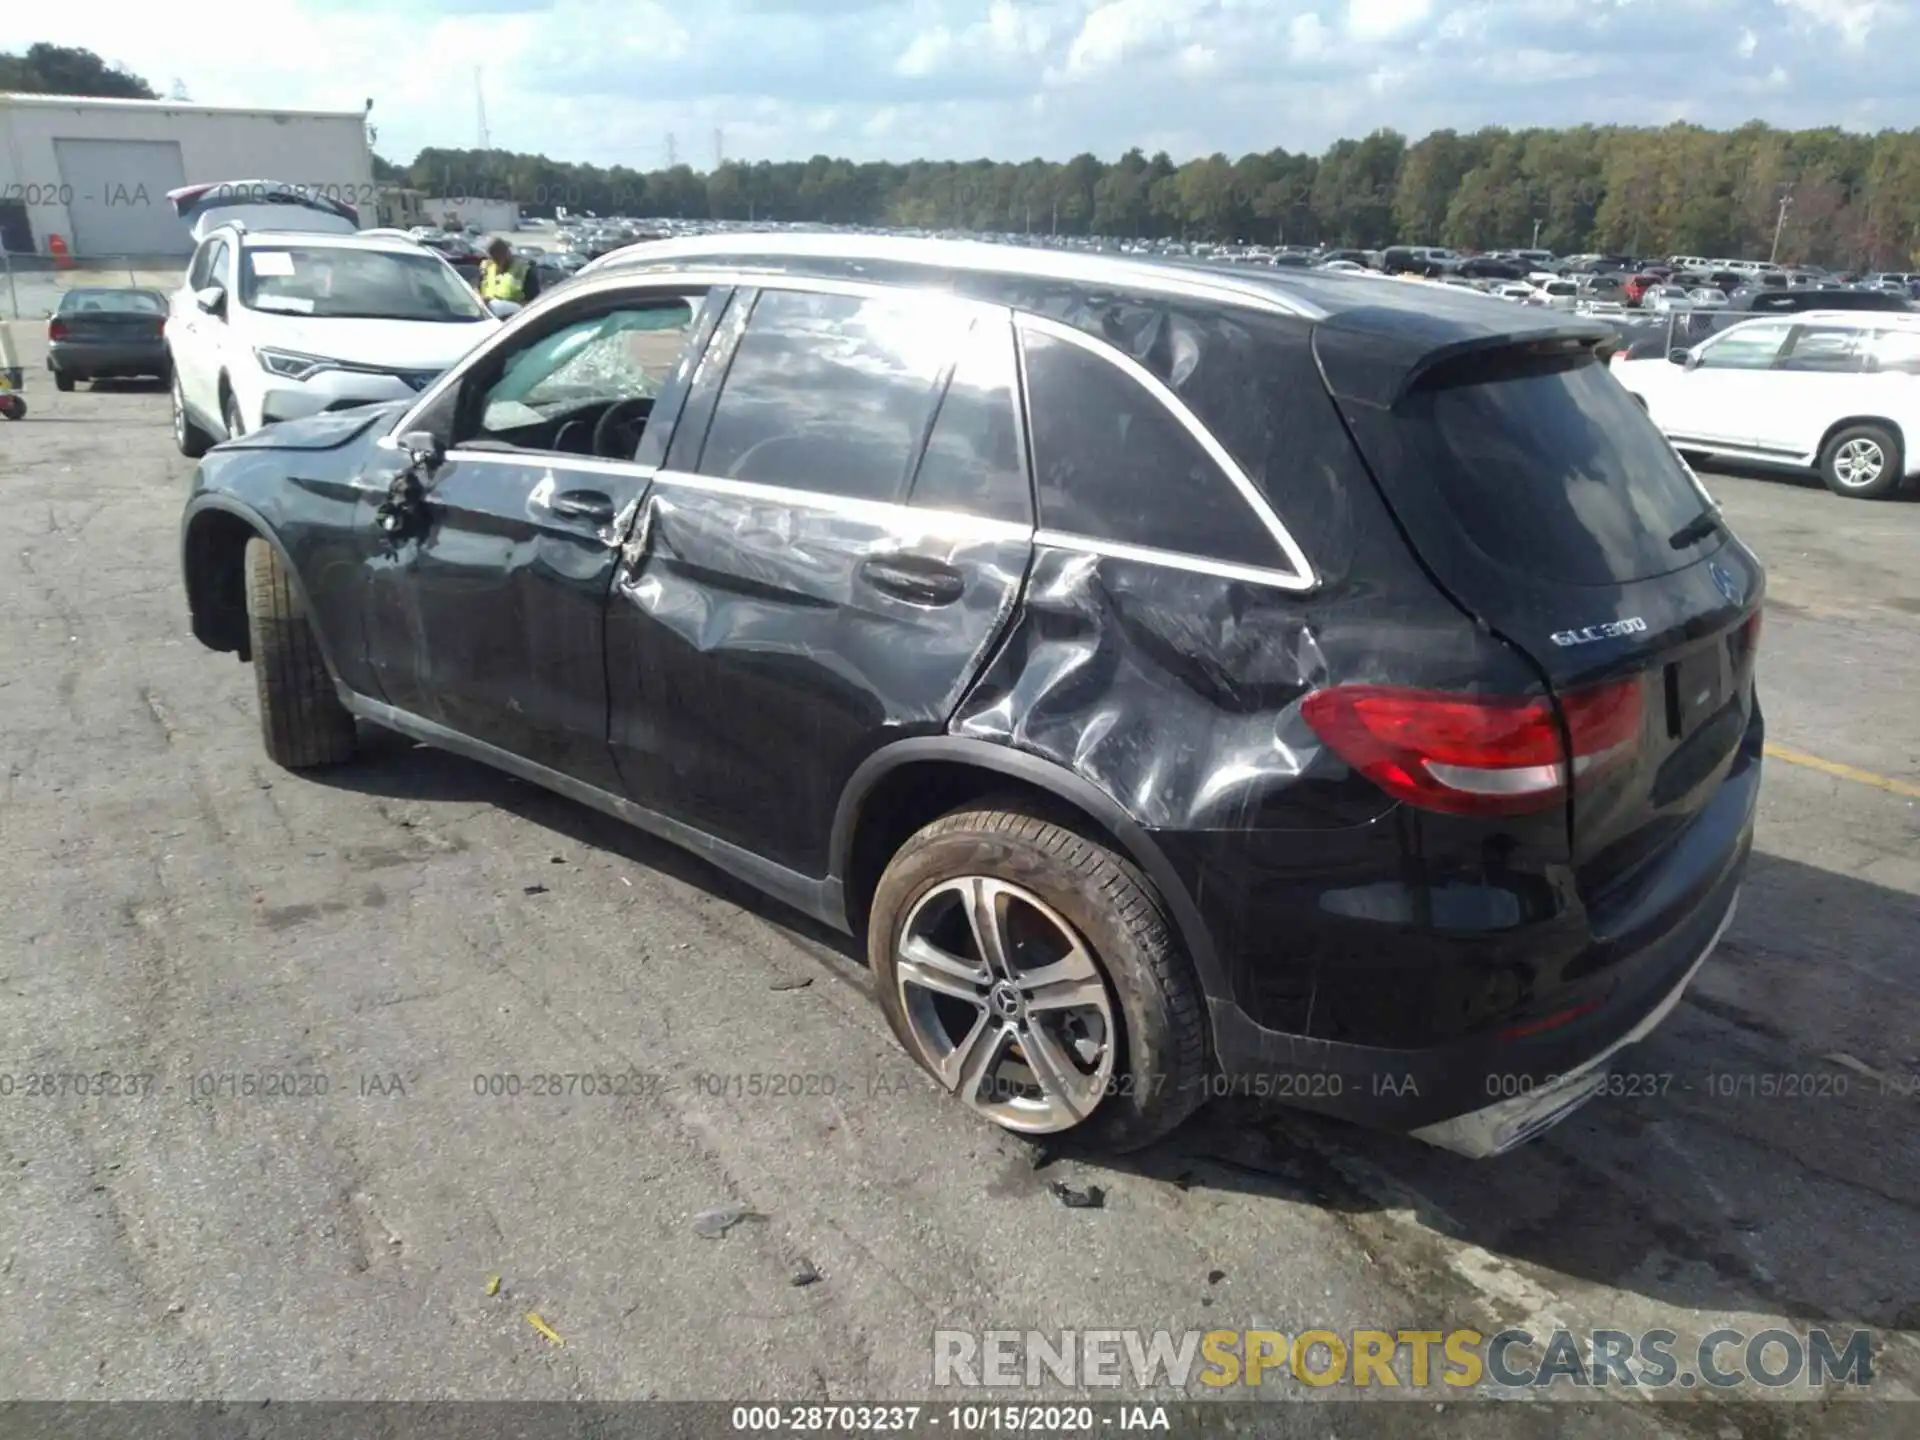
[96, 172]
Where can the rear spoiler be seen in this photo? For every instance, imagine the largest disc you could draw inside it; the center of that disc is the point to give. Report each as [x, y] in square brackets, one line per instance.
[1370, 368]
[262, 205]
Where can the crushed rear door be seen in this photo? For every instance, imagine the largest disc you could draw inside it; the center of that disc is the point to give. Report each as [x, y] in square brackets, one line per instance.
[1539, 495]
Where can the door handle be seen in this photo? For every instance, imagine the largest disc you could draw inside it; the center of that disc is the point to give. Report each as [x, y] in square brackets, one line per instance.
[914, 578]
[591, 505]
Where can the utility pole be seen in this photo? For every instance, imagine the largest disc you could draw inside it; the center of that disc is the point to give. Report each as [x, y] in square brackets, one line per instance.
[1786, 201]
[480, 108]
[673, 151]
[719, 148]
[1536, 234]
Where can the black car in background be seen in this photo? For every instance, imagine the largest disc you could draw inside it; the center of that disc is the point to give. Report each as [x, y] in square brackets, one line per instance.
[1182, 679]
[101, 333]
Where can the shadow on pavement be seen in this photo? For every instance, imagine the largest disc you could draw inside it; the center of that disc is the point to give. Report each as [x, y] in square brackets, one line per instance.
[1757, 1174]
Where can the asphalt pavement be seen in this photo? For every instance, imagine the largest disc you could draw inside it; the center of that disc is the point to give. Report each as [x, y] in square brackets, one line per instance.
[401, 939]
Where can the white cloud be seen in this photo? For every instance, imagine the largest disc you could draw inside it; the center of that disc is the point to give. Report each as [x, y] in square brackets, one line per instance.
[1384, 19]
[606, 81]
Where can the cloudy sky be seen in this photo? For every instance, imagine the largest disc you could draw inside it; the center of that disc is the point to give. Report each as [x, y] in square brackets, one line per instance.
[606, 82]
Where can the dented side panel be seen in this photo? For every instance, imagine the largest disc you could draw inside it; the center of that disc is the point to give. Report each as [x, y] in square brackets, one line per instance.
[760, 645]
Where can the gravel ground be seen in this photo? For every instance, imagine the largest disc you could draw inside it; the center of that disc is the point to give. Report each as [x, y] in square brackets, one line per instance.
[182, 909]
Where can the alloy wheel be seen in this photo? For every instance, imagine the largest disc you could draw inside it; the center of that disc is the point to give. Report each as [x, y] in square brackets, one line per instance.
[1859, 463]
[1006, 1004]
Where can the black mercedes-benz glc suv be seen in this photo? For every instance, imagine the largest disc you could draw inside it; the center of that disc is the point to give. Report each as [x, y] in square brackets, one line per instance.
[1182, 679]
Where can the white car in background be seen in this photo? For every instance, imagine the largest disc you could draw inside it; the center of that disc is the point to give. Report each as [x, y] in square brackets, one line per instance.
[1705, 297]
[1837, 391]
[1556, 294]
[287, 309]
[1666, 300]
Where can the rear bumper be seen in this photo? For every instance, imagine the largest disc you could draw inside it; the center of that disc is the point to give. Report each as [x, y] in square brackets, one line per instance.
[140, 357]
[1485, 1093]
[1499, 1127]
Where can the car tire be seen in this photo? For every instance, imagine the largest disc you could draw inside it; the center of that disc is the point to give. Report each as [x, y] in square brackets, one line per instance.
[62, 381]
[188, 438]
[1862, 462]
[1067, 904]
[301, 718]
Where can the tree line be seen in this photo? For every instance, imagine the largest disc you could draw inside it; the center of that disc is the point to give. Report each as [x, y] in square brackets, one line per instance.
[1824, 196]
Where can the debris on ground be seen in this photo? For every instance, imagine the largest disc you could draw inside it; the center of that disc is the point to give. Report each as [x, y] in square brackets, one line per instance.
[712, 1224]
[1214, 1277]
[1183, 1181]
[533, 890]
[558, 860]
[1042, 1155]
[493, 1285]
[797, 982]
[805, 1275]
[533, 1319]
[1091, 1198]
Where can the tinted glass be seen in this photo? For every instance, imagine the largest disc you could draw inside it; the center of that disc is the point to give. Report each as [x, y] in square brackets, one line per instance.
[1111, 462]
[831, 392]
[1554, 470]
[972, 462]
[1753, 347]
[1827, 349]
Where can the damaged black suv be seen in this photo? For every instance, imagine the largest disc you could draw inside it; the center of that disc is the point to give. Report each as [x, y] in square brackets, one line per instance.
[1186, 681]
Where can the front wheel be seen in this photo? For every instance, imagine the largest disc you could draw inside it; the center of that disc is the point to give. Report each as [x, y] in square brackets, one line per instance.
[1032, 971]
[301, 718]
[188, 438]
[1863, 462]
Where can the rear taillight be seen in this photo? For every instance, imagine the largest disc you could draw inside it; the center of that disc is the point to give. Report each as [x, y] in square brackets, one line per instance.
[56, 329]
[1476, 754]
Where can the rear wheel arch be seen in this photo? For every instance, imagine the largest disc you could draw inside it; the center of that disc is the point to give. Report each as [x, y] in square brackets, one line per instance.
[1877, 421]
[911, 783]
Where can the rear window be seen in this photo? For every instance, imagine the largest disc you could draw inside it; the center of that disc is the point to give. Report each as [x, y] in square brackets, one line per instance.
[1552, 469]
[113, 302]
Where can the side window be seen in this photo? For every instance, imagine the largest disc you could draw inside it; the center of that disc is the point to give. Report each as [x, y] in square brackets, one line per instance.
[1112, 462]
[972, 462]
[1826, 349]
[202, 265]
[218, 271]
[1894, 350]
[1751, 347]
[554, 391]
[831, 392]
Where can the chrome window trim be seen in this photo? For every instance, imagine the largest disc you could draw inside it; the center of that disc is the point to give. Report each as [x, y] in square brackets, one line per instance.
[1302, 577]
[1170, 560]
[893, 514]
[550, 460]
[1119, 272]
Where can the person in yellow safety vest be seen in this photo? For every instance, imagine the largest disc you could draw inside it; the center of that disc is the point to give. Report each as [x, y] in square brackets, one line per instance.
[504, 276]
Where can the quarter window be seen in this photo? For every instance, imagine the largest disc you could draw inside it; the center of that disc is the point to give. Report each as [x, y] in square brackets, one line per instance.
[1112, 462]
[831, 393]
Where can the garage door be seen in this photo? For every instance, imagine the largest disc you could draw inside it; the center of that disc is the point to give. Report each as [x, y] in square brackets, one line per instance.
[119, 204]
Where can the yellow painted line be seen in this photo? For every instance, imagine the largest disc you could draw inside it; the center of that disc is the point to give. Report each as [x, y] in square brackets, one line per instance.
[1844, 772]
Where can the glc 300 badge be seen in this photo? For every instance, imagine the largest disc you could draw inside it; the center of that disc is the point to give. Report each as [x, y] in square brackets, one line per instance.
[1612, 630]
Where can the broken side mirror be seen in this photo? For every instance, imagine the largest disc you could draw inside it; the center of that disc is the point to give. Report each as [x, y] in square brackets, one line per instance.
[424, 449]
[1682, 357]
[213, 300]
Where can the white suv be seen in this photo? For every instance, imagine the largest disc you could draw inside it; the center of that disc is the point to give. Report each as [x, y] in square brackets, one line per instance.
[308, 316]
[1832, 390]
